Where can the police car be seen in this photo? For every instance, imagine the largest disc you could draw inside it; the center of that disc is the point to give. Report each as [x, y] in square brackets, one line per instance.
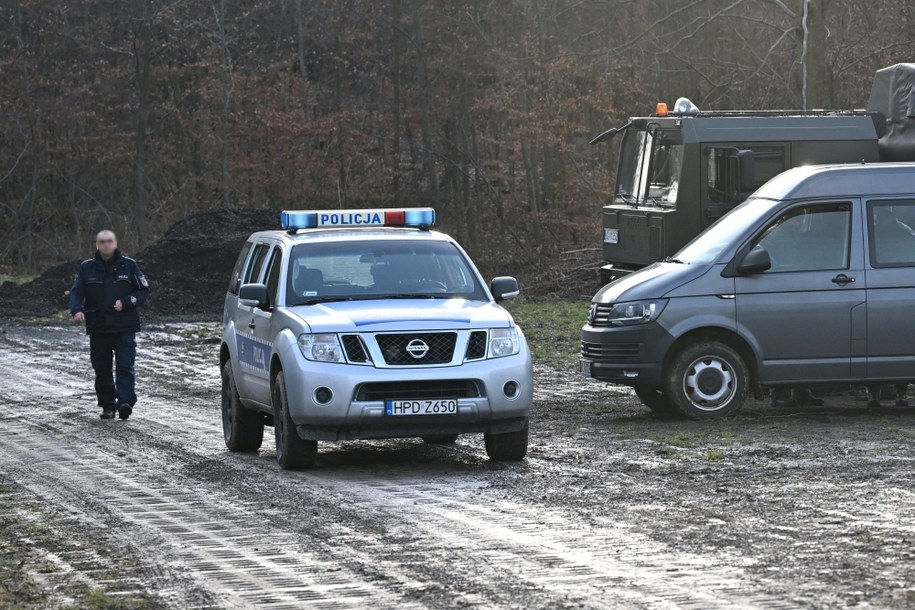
[362, 324]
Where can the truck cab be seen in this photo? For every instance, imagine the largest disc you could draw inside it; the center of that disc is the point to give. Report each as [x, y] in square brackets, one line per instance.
[680, 172]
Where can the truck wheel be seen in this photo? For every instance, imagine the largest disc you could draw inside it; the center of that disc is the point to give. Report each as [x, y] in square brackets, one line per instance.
[707, 379]
[653, 398]
[442, 439]
[292, 452]
[242, 428]
[507, 447]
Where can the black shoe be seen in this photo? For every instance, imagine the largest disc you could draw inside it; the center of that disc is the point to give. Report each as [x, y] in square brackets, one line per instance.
[861, 394]
[124, 410]
[108, 413]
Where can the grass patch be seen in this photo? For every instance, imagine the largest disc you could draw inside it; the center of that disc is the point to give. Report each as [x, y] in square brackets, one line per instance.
[714, 455]
[16, 279]
[552, 328]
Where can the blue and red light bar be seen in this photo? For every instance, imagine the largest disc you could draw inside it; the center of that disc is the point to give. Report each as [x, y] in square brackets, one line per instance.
[316, 219]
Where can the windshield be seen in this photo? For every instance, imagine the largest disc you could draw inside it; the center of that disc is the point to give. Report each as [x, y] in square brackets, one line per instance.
[708, 245]
[650, 166]
[333, 271]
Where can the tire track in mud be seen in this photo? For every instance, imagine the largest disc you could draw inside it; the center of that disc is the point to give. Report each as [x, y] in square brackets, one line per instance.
[431, 535]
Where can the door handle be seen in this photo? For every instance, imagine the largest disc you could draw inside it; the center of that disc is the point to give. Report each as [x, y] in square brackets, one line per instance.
[843, 279]
[251, 324]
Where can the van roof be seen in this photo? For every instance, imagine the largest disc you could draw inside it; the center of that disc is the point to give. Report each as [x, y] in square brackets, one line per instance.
[841, 180]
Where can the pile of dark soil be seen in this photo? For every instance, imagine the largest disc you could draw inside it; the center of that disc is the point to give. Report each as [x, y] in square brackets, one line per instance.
[188, 268]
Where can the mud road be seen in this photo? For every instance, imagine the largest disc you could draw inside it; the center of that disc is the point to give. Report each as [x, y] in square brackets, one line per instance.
[613, 508]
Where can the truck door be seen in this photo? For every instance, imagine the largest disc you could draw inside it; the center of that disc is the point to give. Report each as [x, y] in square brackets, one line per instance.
[805, 315]
[891, 289]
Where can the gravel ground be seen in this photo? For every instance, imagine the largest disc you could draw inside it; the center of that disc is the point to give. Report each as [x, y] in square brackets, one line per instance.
[613, 508]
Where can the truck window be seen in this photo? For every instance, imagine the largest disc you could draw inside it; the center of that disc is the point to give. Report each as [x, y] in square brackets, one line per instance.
[650, 167]
[810, 238]
[253, 273]
[723, 172]
[891, 233]
[235, 278]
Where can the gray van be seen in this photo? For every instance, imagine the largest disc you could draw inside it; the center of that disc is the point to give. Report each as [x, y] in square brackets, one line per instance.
[810, 281]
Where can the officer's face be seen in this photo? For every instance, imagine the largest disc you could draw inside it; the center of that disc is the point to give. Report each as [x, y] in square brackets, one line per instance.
[106, 243]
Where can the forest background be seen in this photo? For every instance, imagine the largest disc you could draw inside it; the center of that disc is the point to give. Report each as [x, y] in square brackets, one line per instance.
[132, 114]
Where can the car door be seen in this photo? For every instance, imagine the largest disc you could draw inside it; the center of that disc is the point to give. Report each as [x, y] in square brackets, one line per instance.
[806, 314]
[891, 288]
[253, 354]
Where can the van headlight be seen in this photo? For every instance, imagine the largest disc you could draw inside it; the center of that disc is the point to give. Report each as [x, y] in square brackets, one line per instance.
[504, 342]
[321, 348]
[635, 312]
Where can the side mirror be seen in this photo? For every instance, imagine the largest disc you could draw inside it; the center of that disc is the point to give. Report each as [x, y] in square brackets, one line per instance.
[253, 295]
[746, 171]
[504, 288]
[756, 261]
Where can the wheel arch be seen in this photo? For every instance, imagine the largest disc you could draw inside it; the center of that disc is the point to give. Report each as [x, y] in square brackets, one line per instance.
[723, 335]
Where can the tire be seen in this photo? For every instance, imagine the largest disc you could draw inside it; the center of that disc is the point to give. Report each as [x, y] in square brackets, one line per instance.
[655, 399]
[443, 439]
[507, 447]
[292, 452]
[707, 379]
[242, 428]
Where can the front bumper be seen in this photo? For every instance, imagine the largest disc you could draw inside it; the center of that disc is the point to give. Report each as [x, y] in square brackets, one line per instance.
[628, 355]
[357, 412]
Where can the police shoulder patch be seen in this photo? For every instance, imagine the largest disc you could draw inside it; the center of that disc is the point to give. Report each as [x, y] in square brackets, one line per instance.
[143, 281]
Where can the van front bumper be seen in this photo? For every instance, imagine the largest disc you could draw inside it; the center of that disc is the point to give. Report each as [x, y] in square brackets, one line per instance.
[628, 355]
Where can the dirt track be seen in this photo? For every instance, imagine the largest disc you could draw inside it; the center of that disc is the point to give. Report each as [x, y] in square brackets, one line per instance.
[612, 509]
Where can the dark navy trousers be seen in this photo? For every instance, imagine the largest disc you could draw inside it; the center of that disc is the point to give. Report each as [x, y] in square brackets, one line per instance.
[114, 387]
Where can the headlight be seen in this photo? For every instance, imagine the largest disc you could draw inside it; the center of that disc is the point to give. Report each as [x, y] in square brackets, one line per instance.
[321, 348]
[504, 342]
[636, 312]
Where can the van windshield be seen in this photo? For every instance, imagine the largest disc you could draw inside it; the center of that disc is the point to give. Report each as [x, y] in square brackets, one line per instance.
[708, 245]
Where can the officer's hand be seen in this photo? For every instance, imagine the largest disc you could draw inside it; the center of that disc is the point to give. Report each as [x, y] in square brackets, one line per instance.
[79, 317]
[118, 305]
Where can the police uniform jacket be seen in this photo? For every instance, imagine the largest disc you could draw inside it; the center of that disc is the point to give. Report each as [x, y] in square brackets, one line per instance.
[100, 284]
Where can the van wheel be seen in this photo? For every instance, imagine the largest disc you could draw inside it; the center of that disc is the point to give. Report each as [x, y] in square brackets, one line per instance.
[292, 451]
[242, 428]
[707, 379]
[653, 398]
[507, 447]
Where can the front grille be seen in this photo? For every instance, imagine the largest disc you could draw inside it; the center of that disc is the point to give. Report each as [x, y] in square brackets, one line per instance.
[355, 351]
[601, 316]
[418, 390]
[613, 352]
[440, 346]
[476, 346]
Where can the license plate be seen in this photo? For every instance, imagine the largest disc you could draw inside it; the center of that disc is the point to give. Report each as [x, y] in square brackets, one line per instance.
[611, 236]
[585, 368]
[447, 406]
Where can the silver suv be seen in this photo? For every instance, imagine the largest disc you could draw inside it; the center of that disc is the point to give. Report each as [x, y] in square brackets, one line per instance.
[360, 324]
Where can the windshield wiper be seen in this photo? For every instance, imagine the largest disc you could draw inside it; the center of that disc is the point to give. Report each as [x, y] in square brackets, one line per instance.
[325, 300]
[671, 259]
[414, 295]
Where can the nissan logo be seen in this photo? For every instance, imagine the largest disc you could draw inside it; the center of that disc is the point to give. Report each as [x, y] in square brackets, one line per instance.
[417, 348]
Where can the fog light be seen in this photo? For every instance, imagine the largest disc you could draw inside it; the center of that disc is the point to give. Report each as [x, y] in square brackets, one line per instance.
[510, 389]
[323, 395]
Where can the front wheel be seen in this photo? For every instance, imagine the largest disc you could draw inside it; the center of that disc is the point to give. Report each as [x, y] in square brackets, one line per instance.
[707, 379]
[292, 451]
[508, 446]
[242, 429]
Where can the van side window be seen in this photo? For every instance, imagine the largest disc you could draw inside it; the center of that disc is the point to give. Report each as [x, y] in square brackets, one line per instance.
[809, 238]
[257, 263]
[235, 278]
[891, 233]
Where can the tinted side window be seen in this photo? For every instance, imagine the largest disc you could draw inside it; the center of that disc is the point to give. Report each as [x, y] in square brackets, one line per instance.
[891, 229]
[723, 170]
[253, 272]
[273, 276]
[235, 278]
[810, 238]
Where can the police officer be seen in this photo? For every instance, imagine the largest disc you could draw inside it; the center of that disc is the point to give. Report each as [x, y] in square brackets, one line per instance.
[105, 297]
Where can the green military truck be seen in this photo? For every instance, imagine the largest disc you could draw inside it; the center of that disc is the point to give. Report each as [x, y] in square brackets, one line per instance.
[679, 171]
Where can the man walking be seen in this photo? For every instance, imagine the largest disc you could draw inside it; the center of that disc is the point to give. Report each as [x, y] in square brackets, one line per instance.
[105, 297]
